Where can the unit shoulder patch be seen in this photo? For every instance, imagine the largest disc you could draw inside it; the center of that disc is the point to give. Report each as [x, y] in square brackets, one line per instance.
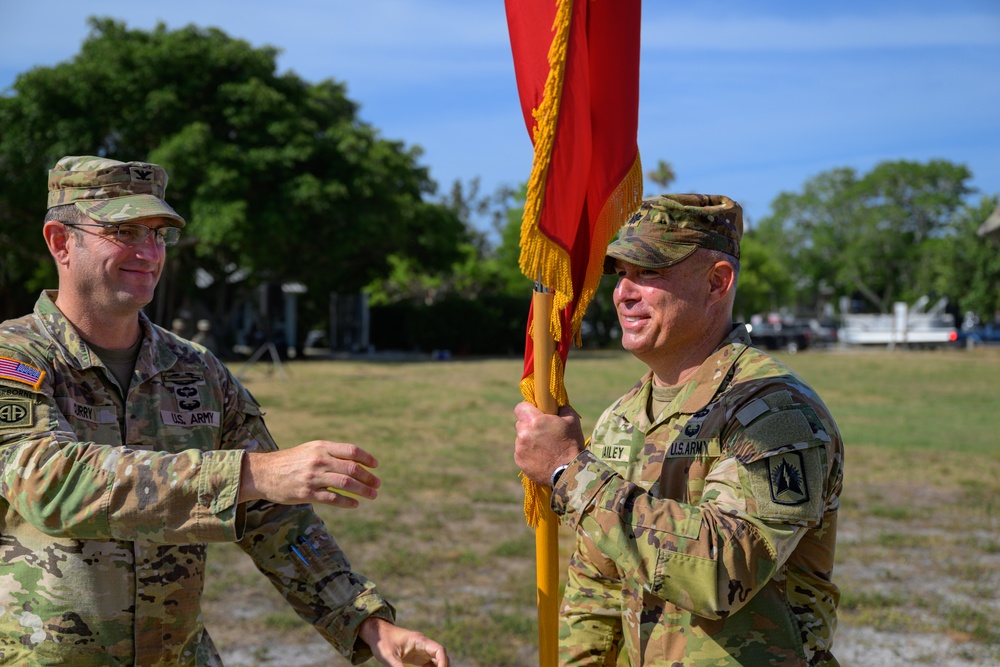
[786, 474]
[788, 486]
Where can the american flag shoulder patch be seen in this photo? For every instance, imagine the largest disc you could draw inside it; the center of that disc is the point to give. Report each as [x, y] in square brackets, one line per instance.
[12, 369]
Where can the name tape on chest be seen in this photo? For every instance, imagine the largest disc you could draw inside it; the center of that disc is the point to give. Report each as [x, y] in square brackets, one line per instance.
[88, 413]
[619, 453]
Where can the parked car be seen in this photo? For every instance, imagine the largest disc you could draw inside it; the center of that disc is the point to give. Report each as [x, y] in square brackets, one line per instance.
[985, 334]
[791, 337]
[824, 332]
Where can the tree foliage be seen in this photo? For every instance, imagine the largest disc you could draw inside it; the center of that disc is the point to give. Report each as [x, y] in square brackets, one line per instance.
[764, 284]
[864, 236]
[480, 270]
[278, 178]
[965, 266]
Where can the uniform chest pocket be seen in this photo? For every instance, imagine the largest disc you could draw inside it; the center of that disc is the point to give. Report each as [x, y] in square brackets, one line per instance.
[686, 464]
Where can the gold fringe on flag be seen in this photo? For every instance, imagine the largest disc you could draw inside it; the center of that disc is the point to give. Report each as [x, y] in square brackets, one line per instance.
[540, 258]
[622, 202]
[532, 492]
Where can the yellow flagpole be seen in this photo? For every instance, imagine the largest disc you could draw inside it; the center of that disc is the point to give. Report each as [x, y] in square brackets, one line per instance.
[547, 528]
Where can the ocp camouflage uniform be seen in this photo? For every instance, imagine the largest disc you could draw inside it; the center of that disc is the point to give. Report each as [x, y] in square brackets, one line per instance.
[706, 537]
[107, 505]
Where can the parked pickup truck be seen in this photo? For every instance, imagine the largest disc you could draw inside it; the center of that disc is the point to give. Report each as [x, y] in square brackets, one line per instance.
[986, 334]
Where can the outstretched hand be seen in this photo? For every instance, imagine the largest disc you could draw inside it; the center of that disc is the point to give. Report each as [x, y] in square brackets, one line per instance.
[395, 646]
[313, 472]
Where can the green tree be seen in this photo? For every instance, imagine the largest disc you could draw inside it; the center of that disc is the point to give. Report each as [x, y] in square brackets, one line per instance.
[764, 284]
[278, 178]
[484, 290]
[866, 236]
[480, 270]
[508, 253]
[965, 266]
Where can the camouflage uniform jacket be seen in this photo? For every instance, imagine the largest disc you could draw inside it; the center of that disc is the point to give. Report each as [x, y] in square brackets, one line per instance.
[706, 537]
[106, 505]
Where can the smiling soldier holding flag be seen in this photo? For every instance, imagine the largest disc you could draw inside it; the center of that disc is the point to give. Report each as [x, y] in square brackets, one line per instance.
[705, 505]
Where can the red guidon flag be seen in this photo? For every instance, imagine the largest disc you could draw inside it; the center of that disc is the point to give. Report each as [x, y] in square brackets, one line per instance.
[577, 69]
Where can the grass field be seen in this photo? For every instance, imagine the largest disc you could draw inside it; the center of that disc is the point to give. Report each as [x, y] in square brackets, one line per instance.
[919, 545]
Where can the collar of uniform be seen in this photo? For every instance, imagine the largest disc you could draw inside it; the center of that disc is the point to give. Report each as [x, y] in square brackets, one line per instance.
[159, 354]
[631, 408]
[62, 333]
[702, 388]
[154, 353]
[696, 393]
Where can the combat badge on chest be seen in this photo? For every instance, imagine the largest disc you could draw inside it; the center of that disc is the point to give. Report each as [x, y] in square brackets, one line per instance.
[185, 388]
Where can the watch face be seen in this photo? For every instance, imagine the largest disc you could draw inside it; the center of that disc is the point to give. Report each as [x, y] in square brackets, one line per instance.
[558, 473]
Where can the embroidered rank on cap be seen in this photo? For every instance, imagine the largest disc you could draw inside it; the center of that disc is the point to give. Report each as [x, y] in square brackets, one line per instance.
[12, 369]
[140, 174]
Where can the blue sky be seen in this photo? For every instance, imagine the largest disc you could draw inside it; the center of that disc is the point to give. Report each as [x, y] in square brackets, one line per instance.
[743, 99]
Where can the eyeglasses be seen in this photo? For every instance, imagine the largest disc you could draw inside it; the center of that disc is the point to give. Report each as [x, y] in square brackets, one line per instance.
[134, 234]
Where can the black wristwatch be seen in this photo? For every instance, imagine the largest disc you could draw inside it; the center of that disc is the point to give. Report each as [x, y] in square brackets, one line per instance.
[555, 474]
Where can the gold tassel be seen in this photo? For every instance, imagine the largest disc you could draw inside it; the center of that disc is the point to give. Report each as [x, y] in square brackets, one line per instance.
[539, 256]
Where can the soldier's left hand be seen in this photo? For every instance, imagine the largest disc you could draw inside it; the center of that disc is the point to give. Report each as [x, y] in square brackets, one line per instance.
[395, 646]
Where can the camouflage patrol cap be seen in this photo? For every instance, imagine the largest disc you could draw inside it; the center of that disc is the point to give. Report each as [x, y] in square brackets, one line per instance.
[111, 191]
[669, 228]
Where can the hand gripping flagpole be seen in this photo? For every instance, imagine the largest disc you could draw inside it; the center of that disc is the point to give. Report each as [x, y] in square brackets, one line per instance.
[547, 526]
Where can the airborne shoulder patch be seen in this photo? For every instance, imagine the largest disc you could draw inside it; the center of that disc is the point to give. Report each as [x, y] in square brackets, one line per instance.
[15, 412]
[18, 371]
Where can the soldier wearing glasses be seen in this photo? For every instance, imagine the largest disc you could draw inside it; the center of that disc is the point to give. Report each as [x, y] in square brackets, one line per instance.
[124, 449]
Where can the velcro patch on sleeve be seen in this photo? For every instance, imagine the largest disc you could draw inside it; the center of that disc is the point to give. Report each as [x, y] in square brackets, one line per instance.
[757, 407]
[779, 399]
[777, 429]
[752, 410]
[18, 371]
